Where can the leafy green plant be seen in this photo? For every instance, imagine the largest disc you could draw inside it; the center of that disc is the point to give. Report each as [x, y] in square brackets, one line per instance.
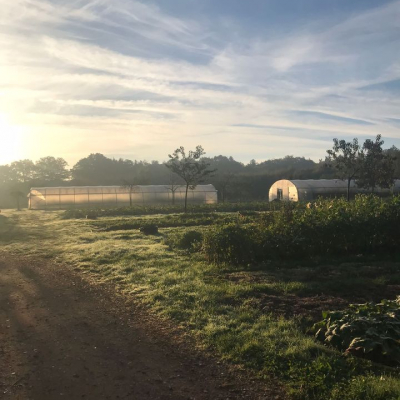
[367, 330]
[326, 227]
[229, 244]
[189, 240]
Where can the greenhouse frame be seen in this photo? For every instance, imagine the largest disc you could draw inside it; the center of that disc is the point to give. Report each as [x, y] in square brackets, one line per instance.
[311, 189]
[44, 198]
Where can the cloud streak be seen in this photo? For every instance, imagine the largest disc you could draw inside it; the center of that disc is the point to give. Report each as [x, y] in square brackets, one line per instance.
[85, 71]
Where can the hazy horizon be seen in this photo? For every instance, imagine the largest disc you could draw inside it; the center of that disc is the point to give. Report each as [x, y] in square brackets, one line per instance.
[252, 80]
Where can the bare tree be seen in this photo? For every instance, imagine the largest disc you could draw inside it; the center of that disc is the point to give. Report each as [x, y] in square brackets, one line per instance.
[173, 185]
[132, 184]
[132, 187]
[191, 167]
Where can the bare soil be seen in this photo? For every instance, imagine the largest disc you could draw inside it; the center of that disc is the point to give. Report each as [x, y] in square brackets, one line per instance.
[61, 336]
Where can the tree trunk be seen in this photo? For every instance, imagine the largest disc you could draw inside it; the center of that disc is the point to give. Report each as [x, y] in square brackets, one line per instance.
[348, 189]
[187, 188]
[173, 197]
[130, 198]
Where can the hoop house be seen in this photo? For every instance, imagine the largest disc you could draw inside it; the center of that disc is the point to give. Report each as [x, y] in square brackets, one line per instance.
[116, 196]
[310, 189]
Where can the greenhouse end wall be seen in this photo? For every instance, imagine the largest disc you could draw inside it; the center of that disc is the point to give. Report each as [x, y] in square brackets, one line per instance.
[115, 196]
[311, 189]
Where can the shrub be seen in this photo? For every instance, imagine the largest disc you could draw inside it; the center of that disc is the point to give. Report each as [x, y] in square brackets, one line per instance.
[368, 330]
[149, 229]
[335, 227]
[189, 240]
[229, 244]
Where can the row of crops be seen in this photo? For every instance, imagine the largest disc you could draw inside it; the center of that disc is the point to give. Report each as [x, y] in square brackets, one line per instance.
[368, 225]
[169, 209]
[327, 227]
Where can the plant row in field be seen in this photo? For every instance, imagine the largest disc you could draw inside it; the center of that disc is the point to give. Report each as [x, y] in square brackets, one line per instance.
[170, 209]
[327, 227]
[175, 220]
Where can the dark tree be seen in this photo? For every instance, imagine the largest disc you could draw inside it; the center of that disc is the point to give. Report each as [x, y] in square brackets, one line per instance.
[17, 195]
[347, 159]
[191, 167]
[223, 182]
[394, 152]
[7, 174]
[51, 169]
[95, 169]
[378, 166]
[23, 170]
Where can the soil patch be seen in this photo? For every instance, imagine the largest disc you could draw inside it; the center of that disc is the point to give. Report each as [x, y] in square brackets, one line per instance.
[62, 336]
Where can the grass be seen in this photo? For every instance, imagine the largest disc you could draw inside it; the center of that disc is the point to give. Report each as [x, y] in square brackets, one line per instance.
[247, 207]
[256, 317]
[171, 220]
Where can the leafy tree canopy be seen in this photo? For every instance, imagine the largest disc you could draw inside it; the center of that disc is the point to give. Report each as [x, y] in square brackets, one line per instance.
[191, 167]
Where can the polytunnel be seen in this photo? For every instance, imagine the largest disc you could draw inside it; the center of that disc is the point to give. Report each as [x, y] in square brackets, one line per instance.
[311, 189]
[43, 198]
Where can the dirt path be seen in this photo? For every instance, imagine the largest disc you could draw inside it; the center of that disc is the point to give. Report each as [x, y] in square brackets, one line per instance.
[61, 337]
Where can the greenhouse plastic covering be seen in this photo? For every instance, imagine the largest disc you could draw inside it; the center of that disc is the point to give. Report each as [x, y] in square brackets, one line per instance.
[310, 189]
[117, 196]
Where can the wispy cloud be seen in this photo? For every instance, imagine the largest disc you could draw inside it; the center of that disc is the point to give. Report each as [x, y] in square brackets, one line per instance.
[81, 70]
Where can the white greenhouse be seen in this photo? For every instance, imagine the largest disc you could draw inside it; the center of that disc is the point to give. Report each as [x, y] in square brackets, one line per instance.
[310, 189]
[43, 198]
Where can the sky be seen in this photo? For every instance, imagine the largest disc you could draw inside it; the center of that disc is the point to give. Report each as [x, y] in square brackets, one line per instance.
[254, 79]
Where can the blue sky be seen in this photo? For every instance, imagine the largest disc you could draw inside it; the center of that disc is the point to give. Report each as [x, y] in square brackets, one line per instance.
[254, 79]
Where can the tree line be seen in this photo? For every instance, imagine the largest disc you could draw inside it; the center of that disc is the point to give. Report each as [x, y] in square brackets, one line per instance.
[234, 180]
[369, 165]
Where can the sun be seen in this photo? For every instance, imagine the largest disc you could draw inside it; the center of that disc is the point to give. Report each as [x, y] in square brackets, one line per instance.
[10, 141]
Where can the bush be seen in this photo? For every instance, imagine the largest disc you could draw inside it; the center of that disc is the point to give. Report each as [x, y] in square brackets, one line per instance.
[189, 240]
[327, 227]
[368, 330]
[149, 229]
[229, 244]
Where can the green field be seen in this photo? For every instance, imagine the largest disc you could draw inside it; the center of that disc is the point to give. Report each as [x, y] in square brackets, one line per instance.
[257, 314]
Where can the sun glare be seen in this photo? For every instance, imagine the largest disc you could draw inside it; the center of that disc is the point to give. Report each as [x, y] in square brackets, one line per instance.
[10, 141]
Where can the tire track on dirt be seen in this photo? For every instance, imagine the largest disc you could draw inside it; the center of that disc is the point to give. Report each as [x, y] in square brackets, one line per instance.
[62, 337]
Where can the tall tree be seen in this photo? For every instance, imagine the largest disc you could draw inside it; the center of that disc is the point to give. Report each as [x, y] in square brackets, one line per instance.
[51, 169]
[223, 182]
[24, 170]
[7, 174]
[95, 169]
[394, 152]
[17, 195]
[378, 166]
[347, 159]
[191, 167]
